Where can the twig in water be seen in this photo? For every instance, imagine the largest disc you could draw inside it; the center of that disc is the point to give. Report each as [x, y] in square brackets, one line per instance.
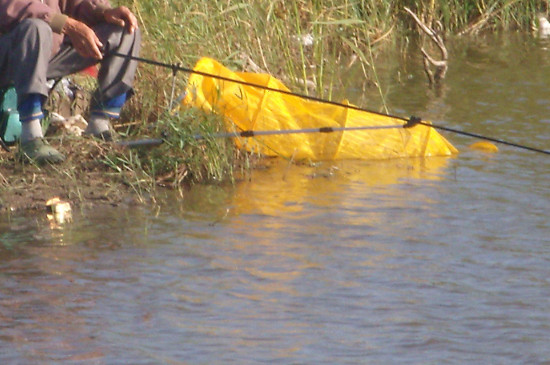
[440, 66]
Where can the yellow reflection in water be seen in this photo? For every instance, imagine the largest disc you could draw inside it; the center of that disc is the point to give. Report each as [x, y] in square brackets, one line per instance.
[279, 214]
[284, 188]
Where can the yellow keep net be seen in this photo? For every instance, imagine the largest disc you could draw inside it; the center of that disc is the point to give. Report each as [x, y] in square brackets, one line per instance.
[248, 108]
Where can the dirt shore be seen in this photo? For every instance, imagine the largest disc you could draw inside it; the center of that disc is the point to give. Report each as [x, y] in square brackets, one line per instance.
[84, 178]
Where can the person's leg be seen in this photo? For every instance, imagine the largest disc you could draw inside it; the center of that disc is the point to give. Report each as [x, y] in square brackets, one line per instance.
[30, 46]
[25, 52]
[115, 77]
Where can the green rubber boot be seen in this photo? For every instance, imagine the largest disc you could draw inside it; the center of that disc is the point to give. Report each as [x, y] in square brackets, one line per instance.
[39, 151]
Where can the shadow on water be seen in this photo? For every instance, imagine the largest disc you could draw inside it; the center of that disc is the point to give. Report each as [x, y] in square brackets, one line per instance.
[437, 260]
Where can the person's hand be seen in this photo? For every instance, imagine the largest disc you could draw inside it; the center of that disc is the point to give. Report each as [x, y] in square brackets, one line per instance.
[121, 16]
[83, 39]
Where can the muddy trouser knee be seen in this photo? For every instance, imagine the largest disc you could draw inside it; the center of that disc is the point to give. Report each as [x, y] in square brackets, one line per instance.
[24, 55]
[116, 74]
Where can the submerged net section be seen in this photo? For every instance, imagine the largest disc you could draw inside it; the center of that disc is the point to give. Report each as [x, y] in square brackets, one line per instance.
[247, 108]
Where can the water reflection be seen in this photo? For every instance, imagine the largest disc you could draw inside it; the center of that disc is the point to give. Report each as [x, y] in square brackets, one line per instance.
[419, 261]
[291, 187]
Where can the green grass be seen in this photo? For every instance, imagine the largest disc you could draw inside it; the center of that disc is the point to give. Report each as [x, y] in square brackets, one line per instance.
[190, 153]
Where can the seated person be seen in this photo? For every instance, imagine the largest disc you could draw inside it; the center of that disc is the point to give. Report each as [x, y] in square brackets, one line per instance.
[49, 39]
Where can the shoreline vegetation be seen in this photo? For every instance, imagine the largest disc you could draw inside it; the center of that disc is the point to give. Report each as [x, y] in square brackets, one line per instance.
[304, 43]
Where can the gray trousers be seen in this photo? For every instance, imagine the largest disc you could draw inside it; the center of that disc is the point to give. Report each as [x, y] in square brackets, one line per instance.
[26, 60]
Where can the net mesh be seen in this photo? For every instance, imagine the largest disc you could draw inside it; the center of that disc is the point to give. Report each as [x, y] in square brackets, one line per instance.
[247, 108]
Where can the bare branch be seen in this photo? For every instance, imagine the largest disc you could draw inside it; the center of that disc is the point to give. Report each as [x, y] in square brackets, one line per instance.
[440, 66]
[432, 61]
[424, 27]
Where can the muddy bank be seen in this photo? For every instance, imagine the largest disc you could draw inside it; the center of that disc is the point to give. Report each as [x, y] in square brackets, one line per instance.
[84, 178]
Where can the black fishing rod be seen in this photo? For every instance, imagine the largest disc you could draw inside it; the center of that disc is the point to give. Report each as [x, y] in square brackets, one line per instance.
[251, 133]
[412, 121]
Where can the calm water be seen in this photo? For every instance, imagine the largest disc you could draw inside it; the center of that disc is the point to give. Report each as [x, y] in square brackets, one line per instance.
[428, 261]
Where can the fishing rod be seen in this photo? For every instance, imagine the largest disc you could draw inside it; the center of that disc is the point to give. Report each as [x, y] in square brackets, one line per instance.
[412, 121]
[252, 133]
